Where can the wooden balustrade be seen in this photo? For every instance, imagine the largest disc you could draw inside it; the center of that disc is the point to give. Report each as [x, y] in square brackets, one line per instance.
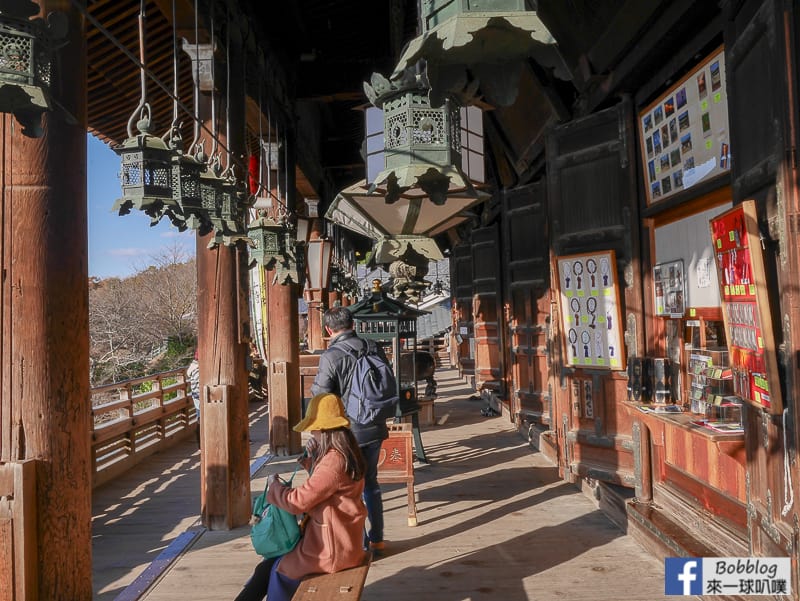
[135, 418]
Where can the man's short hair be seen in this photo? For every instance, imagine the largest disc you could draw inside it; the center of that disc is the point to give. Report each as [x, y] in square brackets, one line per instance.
[338, 319]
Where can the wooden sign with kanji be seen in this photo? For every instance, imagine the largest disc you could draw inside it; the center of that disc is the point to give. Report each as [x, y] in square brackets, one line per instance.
[396, 463]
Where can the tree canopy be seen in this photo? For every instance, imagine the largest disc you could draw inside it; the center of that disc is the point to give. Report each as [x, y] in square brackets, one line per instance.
[144, 323]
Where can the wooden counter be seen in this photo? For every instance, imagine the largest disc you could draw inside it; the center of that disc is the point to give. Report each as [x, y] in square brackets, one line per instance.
[706, 466]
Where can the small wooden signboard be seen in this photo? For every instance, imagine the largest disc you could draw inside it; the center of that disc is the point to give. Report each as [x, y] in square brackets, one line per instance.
[396, 463]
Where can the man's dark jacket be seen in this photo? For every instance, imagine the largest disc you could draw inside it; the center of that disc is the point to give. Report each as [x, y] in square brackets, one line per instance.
[335, 371]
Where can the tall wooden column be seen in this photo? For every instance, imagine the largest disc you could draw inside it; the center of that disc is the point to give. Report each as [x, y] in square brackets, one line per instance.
[222, 328]
[315, 298]
[44, 337]
[283, 337]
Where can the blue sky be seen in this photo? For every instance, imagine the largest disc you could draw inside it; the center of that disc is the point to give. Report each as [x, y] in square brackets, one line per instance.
[121, 246]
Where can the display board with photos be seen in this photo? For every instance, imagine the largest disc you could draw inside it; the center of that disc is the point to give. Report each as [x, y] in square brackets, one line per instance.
[670, 292]
[745, 307]
[684, 135]
[590, 310]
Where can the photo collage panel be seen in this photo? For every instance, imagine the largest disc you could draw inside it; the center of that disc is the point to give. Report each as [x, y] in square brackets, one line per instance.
[685, 135]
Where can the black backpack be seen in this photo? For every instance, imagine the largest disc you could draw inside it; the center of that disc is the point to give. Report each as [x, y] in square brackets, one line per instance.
[373, 388]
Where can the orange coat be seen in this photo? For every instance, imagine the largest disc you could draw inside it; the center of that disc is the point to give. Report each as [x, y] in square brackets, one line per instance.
[333, 539]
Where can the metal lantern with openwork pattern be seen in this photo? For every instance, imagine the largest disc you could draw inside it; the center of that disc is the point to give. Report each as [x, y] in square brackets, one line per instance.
[146, 172]
[26, 58]
[477, 50]
[210, 192]
[186, 170]
[268, 239]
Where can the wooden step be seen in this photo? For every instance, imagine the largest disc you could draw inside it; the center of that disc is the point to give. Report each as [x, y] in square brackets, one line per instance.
[661, 534]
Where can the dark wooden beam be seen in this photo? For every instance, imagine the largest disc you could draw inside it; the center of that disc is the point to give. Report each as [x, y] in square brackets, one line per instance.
[609, 85]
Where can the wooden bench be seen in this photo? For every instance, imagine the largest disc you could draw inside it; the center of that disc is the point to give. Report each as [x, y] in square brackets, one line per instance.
[346, 585]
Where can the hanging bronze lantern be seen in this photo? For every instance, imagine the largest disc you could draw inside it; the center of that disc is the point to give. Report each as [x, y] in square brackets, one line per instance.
[227, 217]
[232, 202]
[477, 50]
[146, 172]
[185, 173]
[210, 193]
[416, 185]
[26, 56]
[268, 241]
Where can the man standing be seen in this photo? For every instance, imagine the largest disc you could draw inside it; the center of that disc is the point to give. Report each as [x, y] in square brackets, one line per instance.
[335, 372]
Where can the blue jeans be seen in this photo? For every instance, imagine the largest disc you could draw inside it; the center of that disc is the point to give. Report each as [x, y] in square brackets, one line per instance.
[372, 492]
[267, 581]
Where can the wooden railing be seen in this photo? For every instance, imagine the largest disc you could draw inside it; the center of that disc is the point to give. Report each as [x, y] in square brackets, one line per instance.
[135, 418]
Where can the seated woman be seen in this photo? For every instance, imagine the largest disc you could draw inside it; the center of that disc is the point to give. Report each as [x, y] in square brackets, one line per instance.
[333, 538]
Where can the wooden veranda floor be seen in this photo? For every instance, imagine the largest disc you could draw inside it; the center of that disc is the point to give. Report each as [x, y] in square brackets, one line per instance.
[495, 522]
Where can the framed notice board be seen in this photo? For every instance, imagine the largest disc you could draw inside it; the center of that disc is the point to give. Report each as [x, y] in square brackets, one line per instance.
[745, 306]
[590, 310]
[684, 135]
[670, 290]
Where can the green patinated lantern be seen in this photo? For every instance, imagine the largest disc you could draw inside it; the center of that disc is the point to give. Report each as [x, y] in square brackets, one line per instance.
[477, 49]
[416, 185]
[146, 171]
[227, 217]
[268, 241]
[231, 203]
[186, 171]
[210, 193]
[26, 57]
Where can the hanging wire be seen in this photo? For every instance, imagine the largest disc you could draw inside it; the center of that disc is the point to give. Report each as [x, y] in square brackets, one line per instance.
[142, 77]
[173, 94]
[79, 6]
[229, 153]
[196, 81]
[269, 150]
[174, 67]
[214, 135]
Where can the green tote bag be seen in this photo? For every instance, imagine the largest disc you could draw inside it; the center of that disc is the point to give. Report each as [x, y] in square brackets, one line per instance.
[275, 531]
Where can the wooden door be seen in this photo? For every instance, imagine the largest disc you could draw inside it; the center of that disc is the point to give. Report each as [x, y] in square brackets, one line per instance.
[760, 69]
[593, 207]
[486, 313]
[527, 303]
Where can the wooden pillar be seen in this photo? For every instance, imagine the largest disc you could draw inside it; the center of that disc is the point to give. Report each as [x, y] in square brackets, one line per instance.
[315, 299]
[223, 331]
[45, 408]
[335, 299]
[283, 337]
[316, 333]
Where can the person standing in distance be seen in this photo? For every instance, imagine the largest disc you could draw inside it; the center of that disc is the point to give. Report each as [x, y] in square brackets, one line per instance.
[335, 368]
[193, 375]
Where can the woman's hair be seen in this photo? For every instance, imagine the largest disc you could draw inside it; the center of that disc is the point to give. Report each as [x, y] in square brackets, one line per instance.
[343, 441]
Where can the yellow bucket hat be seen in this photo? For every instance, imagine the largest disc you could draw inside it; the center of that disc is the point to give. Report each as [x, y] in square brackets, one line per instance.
[325, 412]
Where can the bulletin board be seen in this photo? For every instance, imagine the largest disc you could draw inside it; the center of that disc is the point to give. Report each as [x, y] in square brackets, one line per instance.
[669, 287]
[684, 135]
[745, 306]
[590, 310]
